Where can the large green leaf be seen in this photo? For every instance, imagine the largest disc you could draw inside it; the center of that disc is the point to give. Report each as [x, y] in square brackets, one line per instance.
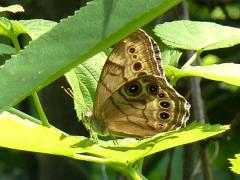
[22, 134]
[92, 29]
[226, 72]
[198, 36]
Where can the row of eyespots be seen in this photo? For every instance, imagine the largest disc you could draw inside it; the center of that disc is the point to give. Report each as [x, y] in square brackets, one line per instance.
[135, 88]
[164, 104]
[137, 66]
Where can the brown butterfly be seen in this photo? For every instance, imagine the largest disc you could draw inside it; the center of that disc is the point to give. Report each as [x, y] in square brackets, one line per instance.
[133, 97]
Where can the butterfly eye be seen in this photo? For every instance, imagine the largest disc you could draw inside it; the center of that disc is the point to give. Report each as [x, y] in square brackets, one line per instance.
[133, 89]
[164, 115]
[152, 88]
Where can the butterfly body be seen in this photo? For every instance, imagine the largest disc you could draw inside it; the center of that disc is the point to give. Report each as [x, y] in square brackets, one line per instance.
[133, 97]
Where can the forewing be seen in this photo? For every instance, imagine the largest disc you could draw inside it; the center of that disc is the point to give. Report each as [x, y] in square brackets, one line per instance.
[137, 55]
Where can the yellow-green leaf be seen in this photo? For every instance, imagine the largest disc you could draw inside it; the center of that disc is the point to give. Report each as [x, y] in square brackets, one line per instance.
[235, 164]
[226, 72]
[12, 8]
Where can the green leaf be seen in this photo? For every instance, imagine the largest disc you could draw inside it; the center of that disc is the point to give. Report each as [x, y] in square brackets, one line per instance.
[235, 164]
[36, 138]
[197, 36]
[170, 56]
[83, 80]
[5, 26]
[11, 28]
[12, 8]
[92, 29]
[5, 49]
[226, 72]
[36, 27]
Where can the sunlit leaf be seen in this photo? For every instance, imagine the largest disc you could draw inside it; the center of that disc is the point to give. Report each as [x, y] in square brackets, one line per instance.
[21, 134]
[197, 36]
[226, 72]
[235, 164]
[12, 8]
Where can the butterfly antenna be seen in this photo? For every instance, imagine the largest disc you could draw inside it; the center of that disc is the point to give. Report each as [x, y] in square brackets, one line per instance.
[68, 91]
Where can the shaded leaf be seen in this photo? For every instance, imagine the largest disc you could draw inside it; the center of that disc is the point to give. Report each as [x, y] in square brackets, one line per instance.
[5, 49]
[83, 81]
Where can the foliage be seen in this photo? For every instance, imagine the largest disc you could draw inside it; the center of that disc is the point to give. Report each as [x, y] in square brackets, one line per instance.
[235, 164]
[32, 137]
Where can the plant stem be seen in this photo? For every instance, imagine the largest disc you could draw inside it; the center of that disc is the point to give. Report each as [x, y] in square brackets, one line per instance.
[34, 94]
[40, 110]
[90, 158]
[23, 115]
[191, 60]
[16, 43]
[198, 106]
[133, 173]
[123, 167]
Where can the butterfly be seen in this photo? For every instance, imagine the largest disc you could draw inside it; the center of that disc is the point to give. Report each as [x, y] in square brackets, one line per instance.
[133, 97]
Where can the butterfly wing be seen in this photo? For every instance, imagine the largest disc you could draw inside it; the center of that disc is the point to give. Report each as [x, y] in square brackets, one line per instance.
[135, 65]
[144, 107]
[135, 56]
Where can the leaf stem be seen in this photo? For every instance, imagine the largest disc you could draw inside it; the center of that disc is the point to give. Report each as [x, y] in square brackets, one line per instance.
[191, 60]
[41, 113]
[123, 167]
[90, 158]
[16, 43]
[23, 115]
[34, 94]
[135, 175]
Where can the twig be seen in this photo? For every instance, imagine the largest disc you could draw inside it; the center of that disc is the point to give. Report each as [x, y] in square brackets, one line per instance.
[234, 123]
[188, 161]
[198, 109]
[169, 167]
